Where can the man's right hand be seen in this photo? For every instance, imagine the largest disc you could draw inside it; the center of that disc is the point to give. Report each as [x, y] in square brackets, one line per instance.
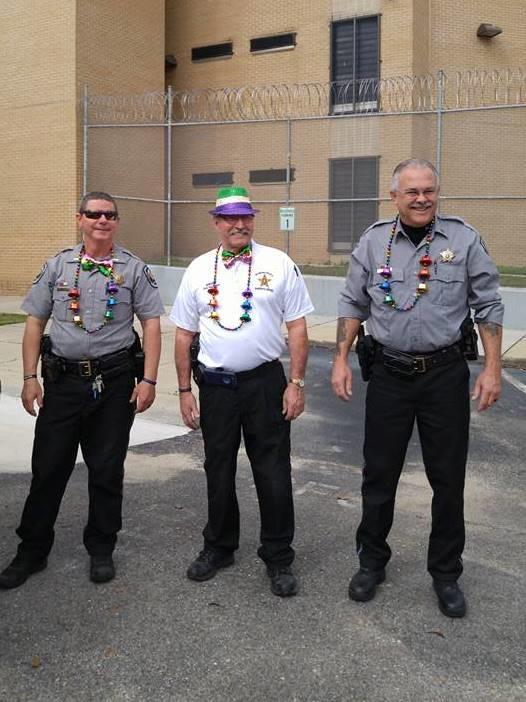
[189, 410]
[32, 391]
[341, 379]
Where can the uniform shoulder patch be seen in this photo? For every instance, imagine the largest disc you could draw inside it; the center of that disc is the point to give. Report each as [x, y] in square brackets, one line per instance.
[40, 274]
[149, 276]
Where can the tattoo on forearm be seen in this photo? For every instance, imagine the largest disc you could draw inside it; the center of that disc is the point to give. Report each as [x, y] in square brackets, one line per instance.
[341, 335]
[492, 328]
[341, 330]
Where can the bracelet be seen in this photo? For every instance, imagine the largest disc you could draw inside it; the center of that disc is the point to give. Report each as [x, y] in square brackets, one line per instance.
[148, 381]
[184, 390]
[30, 375]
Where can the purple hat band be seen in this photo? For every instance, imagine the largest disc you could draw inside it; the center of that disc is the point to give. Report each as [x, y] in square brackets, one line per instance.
[234, 208]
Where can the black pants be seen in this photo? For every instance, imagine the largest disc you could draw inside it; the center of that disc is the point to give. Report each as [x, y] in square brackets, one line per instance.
[254, 407]
[439, 401]
[71, 416]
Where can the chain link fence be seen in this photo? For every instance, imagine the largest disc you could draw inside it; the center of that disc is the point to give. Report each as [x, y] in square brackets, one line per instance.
[326, 149]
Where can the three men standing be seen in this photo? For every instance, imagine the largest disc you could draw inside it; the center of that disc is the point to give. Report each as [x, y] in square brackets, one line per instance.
[237, 296]
[89, 363]
[414, 280]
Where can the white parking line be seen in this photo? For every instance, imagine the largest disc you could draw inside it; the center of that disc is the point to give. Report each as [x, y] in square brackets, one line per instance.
[17, 429]
[513, 381]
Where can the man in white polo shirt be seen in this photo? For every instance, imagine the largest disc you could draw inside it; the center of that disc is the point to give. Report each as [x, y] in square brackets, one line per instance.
[237, 296]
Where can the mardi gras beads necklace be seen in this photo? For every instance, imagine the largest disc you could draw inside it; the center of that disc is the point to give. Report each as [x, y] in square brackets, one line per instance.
[386, 271]
[106, 268]
[246, 305]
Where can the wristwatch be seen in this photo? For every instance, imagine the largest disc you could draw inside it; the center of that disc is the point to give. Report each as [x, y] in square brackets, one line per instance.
[300, 382]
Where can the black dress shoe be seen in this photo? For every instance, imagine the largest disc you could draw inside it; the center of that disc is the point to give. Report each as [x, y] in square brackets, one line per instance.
[18, 571]
[207, 564]
[451, 599]
[282, 581]
[362, 587]
[102, 569]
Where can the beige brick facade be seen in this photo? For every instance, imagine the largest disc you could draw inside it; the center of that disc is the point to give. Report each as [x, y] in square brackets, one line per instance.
[53, 48]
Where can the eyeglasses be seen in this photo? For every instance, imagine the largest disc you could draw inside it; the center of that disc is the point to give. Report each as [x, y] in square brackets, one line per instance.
[97, 214]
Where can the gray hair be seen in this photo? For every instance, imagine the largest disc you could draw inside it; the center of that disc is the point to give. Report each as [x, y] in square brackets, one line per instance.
[412, 163]
[97, 195]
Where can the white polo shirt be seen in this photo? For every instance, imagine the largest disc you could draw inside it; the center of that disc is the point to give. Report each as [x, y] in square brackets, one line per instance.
[279, 295]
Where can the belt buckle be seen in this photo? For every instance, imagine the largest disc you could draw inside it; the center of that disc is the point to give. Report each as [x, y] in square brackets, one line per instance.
[85, 370]
[420, 364]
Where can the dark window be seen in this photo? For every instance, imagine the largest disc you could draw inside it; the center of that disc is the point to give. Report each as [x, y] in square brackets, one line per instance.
[279, 41]
[203, 179]
[270, 175]
[215, 51]
[355, 65]
[351, 178]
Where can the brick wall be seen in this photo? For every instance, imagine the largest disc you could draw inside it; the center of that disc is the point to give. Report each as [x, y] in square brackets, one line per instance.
[51, 49]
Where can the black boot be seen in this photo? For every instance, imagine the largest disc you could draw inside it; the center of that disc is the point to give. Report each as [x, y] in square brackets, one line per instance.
[102, 569]
[451, 599]
[18, 571]
[207, 564]
[362, 587]
[282, 580]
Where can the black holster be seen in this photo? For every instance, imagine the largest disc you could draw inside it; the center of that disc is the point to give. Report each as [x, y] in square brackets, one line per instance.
[50, 368]
[138, 357]
[469, 339]
[194, 353]
[365, 350]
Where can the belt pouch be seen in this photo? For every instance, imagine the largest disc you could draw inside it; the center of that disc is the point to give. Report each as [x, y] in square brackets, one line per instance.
[398, 362]
[218, 376]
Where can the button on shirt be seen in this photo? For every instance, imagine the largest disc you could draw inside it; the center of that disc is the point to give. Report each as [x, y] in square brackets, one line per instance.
[48, 297]
[279, 295]
[467, 278]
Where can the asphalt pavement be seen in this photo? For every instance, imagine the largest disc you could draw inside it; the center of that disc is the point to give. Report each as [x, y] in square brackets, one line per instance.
[151, 634]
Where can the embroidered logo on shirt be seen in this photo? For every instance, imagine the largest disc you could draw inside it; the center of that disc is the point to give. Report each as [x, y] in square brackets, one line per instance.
[149, 276]
[40, 274]
[264, 281]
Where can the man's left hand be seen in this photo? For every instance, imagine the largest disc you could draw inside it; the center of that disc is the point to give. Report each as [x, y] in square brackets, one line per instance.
[487, 389]
[293, 401]
[144, 395]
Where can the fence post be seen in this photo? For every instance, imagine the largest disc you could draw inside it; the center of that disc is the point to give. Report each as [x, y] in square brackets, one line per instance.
[168, 195]
[440, 110]
[289, 158]
[85, 141]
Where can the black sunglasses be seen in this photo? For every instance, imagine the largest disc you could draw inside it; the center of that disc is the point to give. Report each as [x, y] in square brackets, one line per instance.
[97, 214]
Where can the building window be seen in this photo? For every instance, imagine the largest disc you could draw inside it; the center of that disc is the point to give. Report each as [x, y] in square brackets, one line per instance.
[351, 178]
[355, 65]
[278, 42]
[202, 53]
[271, 175]
[212, 179]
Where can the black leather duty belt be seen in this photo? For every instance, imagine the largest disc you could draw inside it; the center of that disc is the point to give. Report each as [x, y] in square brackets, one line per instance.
[224, 378]
[416, 364]
[111, 365]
